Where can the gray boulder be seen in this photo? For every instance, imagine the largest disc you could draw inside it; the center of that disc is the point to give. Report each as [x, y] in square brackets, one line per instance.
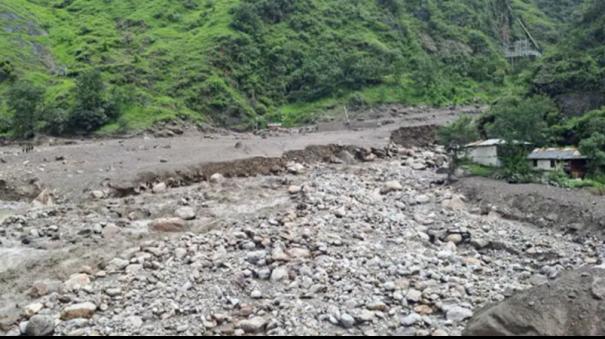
[573, 305]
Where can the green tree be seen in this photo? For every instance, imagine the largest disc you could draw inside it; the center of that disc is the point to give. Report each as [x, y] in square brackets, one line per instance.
[454, 137]
[520, 119]
[91, 110]
[594, 149]
[25, 101]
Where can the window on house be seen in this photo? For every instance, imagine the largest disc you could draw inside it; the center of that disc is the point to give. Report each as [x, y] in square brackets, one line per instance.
[553, 164]
[535, 163]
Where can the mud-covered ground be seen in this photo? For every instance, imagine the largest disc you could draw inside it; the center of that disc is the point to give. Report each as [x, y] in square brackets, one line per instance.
[74, 168]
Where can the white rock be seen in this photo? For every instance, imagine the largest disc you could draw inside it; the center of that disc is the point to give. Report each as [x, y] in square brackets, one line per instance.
[32, 309]
[347, 321]
[254, 325]
[411, 320]
[391, 186]
[295, 168]
[159, 188]
[458, 314]
[294, 189]
[76, 282]
[217, 178]
[185, 213]
[279, 274]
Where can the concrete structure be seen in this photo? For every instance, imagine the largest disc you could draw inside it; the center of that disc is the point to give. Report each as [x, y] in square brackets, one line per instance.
[567, 159]
[485, 152]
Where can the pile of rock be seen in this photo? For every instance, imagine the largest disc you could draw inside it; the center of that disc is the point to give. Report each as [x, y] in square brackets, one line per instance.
[371, 248]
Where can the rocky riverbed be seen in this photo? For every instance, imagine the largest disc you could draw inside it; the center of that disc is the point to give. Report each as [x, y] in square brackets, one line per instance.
[380, 247]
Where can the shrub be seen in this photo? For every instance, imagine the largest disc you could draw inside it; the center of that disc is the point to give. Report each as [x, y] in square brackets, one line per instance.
[7, 71]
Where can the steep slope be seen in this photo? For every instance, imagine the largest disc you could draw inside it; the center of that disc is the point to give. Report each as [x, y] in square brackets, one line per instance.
[574, 71]
[248, 62]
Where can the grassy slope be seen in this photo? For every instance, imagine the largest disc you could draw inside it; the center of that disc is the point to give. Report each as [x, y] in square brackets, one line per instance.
[164, 54]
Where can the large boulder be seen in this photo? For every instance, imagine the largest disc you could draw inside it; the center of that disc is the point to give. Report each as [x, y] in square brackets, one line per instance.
[573, 305]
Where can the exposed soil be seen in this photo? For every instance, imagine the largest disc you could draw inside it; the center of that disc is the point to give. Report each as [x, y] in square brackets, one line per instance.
[74, 168]
[574, 211]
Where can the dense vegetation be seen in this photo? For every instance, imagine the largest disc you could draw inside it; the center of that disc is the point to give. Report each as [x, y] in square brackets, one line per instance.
[242, 63]
[576, 66]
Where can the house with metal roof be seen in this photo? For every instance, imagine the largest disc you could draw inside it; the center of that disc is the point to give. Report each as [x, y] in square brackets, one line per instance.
[487, 152]
[567, 159]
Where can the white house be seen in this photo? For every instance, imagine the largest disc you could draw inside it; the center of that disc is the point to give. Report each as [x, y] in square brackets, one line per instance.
[486, 152]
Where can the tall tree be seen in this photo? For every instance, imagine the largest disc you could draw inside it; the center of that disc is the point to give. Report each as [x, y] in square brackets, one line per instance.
[25, 101]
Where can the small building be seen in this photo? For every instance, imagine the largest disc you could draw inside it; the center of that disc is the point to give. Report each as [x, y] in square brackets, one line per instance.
[485, 152]
[567, 159]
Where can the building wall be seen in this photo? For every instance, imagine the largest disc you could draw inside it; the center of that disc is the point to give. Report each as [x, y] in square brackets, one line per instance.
[487, 156]
[546, 165]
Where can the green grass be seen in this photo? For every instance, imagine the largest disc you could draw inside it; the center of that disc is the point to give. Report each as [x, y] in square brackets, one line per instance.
[478, 170]
[186, 58]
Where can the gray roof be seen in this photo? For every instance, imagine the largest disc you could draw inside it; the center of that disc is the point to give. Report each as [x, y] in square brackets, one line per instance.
[492, 142]
[567, 153]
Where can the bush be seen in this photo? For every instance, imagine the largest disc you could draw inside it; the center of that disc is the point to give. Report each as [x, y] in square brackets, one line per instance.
[7, 71]
[515, 166]
[594, 149]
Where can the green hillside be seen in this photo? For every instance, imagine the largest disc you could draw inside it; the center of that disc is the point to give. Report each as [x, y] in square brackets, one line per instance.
[573, 72]
[244, 63]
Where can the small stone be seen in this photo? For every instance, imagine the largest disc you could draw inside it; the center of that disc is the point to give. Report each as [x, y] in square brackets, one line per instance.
[185, 213]
[366, 316]
[76, 282]
[440, 333]
[295, 168]
[217, 178]
[470, 261]
[117, 264]
[97, 195]
[167, 225]
[423, 310]
[254, 325]
[458, 314]
[454, 238]
[423, 199]
[113, 292]
[377, 306]
[84, 310]
[279, 274]
[411, 320]
[256, 294]
[159, 188]
[598, 289]
[134, 322]
[391, 186]
[341, 212]
[299, 253]
[40, 326]
[418, 166]
[347, 321]
[414, 296]
[32, 309]
[294, 189]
